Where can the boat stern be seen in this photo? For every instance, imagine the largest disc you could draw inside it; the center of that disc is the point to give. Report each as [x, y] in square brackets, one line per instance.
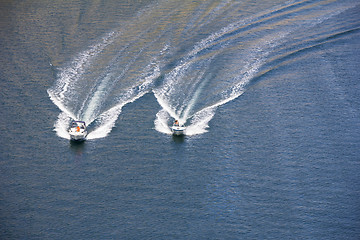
[177, 130]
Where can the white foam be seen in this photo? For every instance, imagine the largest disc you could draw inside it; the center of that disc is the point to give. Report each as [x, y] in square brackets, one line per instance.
[61, 125]
[172, 85]
[67, 90]
[194, 99]
[69, 75]
[161, 122]
[95, 101]
[165, 105]
[200, 121]
[106, 121]
[188, 110]
[60, 104]
[63, 90]
[255, 59]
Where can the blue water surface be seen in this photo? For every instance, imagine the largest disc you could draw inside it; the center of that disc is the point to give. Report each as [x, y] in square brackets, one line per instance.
[269, 92]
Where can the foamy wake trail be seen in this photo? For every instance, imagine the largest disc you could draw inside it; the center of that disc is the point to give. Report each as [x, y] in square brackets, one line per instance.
[61, 125]
[161, 122]
[80, 99]
[64, 94]
[106, 121]
[69, 76]
[197, 121]
[200, 121]
[198, 124]
[192, 96]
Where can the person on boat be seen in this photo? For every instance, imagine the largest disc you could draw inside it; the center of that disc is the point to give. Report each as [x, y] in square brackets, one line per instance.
[78, 129]
[176, 123]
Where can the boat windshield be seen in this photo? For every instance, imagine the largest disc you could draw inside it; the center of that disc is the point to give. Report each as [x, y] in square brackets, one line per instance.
[78, 124]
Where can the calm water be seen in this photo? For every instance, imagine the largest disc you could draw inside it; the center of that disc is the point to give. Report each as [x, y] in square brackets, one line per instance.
[269, 92]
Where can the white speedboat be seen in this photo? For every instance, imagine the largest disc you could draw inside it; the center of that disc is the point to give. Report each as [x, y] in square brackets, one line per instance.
[177, 128]
[78, 131]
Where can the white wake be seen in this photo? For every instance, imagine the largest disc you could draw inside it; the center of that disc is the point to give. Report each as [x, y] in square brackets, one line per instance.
[193, 90]
[98, 98]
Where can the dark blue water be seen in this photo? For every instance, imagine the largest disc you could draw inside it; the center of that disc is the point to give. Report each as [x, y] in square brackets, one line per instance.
[269, 92]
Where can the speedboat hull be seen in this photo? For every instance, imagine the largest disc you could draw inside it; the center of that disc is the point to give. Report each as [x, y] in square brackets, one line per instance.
[177, 130]
[78, 131]
[76, 136]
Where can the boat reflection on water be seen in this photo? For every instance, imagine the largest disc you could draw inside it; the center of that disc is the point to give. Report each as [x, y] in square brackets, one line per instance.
[178, 138]
[77, 147]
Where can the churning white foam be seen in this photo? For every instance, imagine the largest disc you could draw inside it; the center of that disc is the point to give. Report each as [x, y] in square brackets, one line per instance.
[200, 121]
[106, 121]
[68, 86]
[162, 122]
[61, 125]
[197, 122]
